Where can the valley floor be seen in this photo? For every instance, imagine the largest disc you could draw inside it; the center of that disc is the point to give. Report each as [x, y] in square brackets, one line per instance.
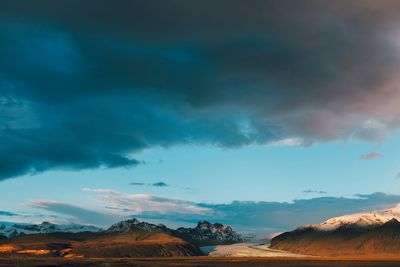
[246, 250]
[199, 261]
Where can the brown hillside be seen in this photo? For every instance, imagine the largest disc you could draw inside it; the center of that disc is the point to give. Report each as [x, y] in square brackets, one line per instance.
[128, 244]
[344, 241]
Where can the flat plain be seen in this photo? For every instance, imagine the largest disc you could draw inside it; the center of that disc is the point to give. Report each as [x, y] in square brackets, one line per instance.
[199, 262]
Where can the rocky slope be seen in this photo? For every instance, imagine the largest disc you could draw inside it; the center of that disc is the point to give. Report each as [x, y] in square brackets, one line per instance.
[206, 234]
[203, 234]
[368, 234]
[130, 238]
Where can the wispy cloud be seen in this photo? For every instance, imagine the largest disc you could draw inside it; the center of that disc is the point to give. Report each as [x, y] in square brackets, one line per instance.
[288, 142]
[7, 213]
[157, 184]
[371, 156]
[138, 184]
[311, 191]
[78, 214]
[36, 217]
[141, 203]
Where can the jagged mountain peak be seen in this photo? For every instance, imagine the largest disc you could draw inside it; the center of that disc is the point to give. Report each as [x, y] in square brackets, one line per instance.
[134, 224]
[204, 233]
[211, 232]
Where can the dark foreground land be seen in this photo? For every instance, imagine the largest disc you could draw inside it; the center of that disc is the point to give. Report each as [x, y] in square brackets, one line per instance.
[198, 262]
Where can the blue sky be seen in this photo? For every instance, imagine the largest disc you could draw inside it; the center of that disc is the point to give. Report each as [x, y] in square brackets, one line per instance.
[263, 116]
[210, 174]
[274, 173]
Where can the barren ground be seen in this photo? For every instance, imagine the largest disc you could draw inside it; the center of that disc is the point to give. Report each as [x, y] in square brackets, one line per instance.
[202, 261]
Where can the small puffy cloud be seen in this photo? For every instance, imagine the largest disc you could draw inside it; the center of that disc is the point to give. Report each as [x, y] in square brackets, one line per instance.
[160, 184]
[288, 142]
[135, 183]
[371, 156]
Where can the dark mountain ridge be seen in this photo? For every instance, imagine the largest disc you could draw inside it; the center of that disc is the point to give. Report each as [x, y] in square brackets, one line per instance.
[204, 234]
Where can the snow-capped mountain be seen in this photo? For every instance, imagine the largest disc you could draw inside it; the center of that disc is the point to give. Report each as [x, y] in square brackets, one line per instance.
[369, 233]
[133, 224]
[365, 219]
[204, 233]
[11, 230]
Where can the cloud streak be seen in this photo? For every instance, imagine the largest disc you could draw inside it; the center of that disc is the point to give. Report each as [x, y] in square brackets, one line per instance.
[75, 213]
[136, 204]
[157, 184]
[371, 156]
[311, 191]
[7, 213]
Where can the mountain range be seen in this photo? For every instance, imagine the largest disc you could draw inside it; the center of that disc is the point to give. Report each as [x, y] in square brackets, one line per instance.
[8, 230]
[374, 233]
[130, 238]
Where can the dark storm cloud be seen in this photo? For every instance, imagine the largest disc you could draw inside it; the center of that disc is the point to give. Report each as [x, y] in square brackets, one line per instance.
[89, 84]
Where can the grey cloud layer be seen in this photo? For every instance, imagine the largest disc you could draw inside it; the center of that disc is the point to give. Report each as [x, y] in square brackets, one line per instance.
[281, 216]
[87, 84]
[75, 213]
[251, 216]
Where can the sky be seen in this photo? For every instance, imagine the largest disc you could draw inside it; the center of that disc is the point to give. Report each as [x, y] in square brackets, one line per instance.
[264, 116]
